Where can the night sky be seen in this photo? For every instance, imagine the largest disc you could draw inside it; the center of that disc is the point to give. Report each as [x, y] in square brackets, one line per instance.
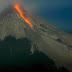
[57, 12]
[61, 17]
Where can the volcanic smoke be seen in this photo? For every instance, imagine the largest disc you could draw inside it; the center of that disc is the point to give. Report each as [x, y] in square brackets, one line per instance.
[18, 8]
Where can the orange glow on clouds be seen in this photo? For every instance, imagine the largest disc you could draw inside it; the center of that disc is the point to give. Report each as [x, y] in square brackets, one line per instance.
[17, 7]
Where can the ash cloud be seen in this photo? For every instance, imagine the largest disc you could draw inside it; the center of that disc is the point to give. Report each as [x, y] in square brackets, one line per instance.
[36, 5]
[5, 3]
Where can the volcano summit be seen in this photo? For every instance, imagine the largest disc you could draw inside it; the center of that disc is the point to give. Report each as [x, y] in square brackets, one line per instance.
[44, 37]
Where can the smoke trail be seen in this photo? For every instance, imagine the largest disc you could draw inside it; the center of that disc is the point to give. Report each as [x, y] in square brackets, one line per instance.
[5, 3]
[27, 4]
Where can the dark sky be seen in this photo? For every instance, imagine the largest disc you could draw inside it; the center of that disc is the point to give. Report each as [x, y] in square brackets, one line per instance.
[57, 12]
[61, 17]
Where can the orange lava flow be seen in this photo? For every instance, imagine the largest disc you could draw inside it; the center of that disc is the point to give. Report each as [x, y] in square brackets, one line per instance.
[17, 7]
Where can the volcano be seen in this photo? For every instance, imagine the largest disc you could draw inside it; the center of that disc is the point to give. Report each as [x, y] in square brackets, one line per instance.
[44, 36]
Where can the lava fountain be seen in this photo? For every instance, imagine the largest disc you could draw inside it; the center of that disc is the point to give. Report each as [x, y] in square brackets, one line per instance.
[18, 8]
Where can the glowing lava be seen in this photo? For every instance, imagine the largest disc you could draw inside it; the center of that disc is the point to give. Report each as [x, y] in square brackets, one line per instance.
[17, 7]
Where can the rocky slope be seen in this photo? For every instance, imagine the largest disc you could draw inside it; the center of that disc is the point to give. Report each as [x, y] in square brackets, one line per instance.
[47, 38]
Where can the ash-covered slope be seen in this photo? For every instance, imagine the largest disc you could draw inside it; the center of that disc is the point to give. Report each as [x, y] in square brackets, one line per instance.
[46, 37]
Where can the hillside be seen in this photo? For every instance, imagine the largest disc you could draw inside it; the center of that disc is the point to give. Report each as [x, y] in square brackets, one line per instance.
[48, 39]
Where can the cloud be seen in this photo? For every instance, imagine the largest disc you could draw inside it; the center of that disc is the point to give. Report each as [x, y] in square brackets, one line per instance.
[36, 5]
[4, 3]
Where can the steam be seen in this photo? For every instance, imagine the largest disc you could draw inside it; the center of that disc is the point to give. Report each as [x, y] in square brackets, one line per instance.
[35, 5]
[5, 3]
[26, 4]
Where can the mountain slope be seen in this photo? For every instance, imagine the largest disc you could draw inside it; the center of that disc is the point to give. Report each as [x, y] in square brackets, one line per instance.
[48, 39]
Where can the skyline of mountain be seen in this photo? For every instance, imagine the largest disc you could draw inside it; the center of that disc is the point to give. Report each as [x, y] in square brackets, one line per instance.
[48, 39]
[58, 13]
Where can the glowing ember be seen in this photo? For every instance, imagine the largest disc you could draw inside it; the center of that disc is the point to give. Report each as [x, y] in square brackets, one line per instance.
[17, 7]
